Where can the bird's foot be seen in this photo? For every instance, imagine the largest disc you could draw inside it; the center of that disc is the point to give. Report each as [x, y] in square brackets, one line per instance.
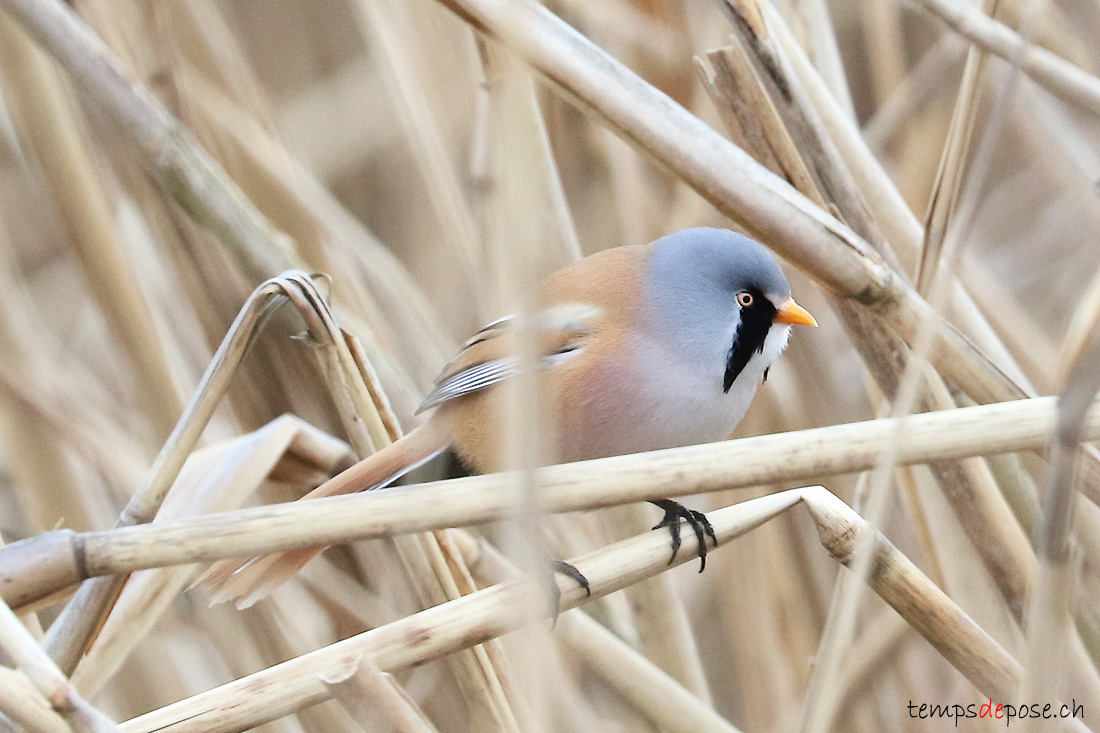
[559, 566]
[674, 512]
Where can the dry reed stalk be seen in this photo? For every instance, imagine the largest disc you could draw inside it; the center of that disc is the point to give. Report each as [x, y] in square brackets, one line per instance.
[889, 211]
[47, 679]
[955, 163]
[878, 644]
[532, 235]
[885, 42]
[1024, 503]
[66, 406]
[916, 89]
[438, 574]
[1058, 76]
[43, 476]
[527, 234]
[388, 27]
[1051, 632]
[376, 701]
[215, 478]
[629, 27]
[347, 375]
[967, 485]
[497, 610]
[52, 127]
[822, 45]
[873, 184]
[381, 290]
[32, 568]
[183, 169]
[203, 57]
[1022, 336]
[26, 707]
[936, 283]
[659, 696]
[760, 201]
[71, 634]
[783, 108]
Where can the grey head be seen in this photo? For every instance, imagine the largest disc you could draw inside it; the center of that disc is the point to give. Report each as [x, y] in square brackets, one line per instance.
[715, 294]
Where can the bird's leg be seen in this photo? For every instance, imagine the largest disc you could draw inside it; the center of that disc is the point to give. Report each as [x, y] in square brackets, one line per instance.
[560, 566]
[674, 512]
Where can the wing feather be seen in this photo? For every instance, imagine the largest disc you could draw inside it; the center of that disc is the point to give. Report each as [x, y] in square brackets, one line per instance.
[488, 357]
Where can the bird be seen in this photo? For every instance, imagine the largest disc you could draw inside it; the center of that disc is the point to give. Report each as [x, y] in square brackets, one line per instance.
[640, 348]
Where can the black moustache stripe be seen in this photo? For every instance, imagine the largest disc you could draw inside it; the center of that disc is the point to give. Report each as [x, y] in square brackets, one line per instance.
[756, 320]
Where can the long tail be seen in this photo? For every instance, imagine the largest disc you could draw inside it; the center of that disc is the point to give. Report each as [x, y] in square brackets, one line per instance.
[247, 581]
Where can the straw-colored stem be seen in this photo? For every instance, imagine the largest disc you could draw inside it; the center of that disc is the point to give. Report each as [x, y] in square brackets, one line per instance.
[664, 700]
[73, 631]
[1051, 631]
[376, 701]
[437, 631]
[47, 679]
[797, 140]
[889, 211]
[52, 125]
[388, 30]
[666, 703]
[185, 172]
[217, 478]
[436, 577]
[917, 89]
[33, 568]
[1058, 76]
[24, 706]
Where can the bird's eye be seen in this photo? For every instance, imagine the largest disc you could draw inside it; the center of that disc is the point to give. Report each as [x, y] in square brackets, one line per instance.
[745, 299]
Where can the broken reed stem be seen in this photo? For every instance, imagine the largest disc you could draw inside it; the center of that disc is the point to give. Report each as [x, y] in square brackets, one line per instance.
[73, 631]
[968, 485]
[888, 209]
[720, 171]
[438, 631]
[375, 700]
[435, 577]
[49, 681]
[33, 568]
[771, 97]
[730, 179]
[1058, 76]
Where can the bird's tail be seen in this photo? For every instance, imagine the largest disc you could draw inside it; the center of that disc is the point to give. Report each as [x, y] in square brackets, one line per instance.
[247, 581]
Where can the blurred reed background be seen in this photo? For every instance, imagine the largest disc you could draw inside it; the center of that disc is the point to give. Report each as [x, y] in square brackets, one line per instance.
[433, 178]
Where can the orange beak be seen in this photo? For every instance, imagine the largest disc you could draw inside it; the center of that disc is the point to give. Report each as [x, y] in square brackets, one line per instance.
[793, 313]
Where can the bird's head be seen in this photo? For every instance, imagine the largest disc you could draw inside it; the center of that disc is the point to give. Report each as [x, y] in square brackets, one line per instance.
[721, 296]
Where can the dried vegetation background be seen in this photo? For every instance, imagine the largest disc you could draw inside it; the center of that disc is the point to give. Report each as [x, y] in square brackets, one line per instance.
[416, 153]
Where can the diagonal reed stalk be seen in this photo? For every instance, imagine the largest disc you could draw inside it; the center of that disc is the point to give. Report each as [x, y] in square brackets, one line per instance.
[502, 608]
[36, 567]
[417, 160]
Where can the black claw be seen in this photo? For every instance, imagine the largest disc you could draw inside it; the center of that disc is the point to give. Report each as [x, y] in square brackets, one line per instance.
[674, 512]
[570, 571]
